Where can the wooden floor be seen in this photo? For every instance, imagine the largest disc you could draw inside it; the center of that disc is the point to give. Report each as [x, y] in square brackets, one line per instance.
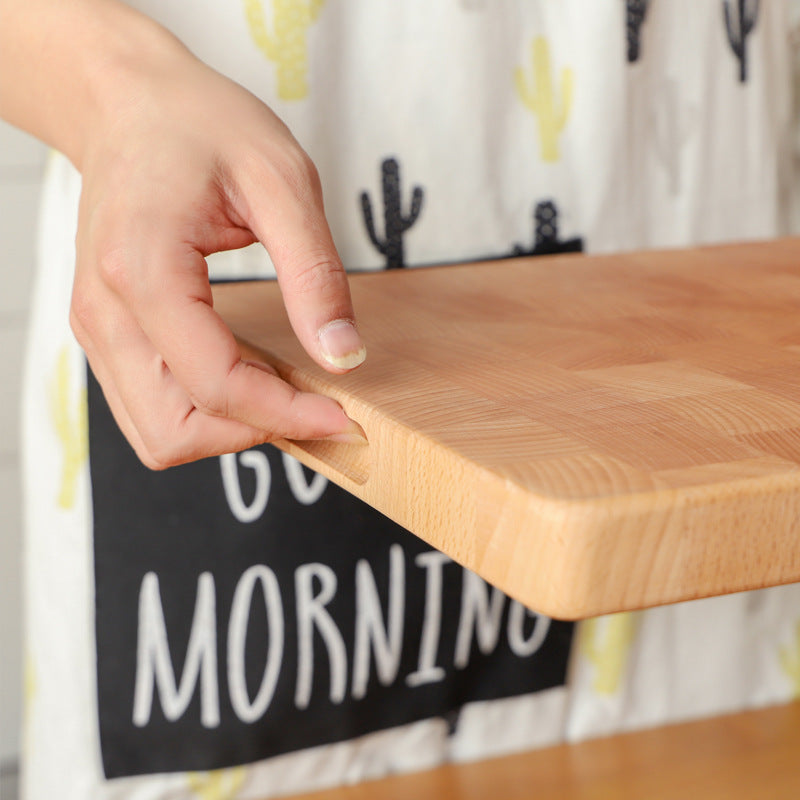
[750, 755]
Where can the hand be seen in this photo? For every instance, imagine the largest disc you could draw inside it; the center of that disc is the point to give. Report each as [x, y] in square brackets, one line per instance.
[183, 163]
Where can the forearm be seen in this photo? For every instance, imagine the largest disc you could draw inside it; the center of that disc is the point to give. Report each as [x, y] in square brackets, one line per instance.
[68, 67]
[177, 162]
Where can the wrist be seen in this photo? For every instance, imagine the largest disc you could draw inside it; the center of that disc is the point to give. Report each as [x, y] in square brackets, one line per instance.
[68, 70]
[133, 58]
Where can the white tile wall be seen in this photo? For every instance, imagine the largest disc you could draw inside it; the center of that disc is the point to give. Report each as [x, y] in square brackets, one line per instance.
[21, 164]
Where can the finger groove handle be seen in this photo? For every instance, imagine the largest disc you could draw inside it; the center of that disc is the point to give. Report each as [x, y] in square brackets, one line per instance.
[335, 460]
[340, 462]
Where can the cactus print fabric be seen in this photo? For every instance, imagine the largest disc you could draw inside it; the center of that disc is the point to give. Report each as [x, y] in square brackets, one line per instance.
[443, 132]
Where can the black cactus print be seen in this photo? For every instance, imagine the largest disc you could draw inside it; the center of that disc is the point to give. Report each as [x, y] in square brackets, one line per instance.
[545, 236]
[635, 12]
[739, 25]
[395, 224]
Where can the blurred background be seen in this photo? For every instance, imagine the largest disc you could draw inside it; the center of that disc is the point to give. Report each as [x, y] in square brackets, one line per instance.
[21, 165]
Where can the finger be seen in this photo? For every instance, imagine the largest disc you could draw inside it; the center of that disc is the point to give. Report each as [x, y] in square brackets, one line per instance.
[204, 368]
[113, 399]
[283, 207]
[151, 409]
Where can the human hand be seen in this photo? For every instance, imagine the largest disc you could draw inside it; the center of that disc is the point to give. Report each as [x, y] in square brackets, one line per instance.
[181, 164]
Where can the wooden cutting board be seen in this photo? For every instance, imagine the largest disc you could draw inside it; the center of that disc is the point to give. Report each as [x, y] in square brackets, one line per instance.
[589, 434]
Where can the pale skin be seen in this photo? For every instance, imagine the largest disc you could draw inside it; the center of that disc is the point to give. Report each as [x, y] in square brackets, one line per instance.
[177, 162]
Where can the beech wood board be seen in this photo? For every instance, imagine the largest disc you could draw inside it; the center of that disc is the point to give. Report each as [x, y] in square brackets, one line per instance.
[588, 433]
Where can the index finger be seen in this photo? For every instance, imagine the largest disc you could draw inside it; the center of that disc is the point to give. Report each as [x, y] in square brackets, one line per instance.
[202, 354]
[284, 209]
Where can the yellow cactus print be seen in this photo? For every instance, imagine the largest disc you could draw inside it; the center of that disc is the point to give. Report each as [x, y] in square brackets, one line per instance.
[72, 428]
[29, 687]
[605, 642]
[287, 47]
[29, 681]
[538, 96]
[790, 662]
[221, 784]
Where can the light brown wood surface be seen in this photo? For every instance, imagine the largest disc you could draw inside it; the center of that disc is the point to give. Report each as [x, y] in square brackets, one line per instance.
[590, 434]
[748, 756]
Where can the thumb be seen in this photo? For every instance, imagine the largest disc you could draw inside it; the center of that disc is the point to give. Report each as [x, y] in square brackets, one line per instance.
[285, 211]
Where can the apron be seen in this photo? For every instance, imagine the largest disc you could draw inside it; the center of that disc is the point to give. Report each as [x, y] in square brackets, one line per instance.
[240, 628]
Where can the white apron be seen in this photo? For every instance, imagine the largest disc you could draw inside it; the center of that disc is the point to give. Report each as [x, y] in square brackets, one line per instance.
[526, 127]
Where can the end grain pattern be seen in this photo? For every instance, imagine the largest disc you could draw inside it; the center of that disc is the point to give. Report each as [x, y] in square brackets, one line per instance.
[589, 433]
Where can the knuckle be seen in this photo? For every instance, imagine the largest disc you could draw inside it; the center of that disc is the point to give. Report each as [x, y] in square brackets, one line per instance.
[84, 314]
[160, 451]
[81, 313]
[316, 273]
[300, 174]
[113, 268]
[210, 400]
[153, 462]
[160, 444]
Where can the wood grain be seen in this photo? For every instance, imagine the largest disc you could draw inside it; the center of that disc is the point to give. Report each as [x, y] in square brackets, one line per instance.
[590, 434]
[733, 757]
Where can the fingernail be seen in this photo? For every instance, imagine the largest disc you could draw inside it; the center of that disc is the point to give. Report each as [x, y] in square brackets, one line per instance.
[352, 434]
[340, 344]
